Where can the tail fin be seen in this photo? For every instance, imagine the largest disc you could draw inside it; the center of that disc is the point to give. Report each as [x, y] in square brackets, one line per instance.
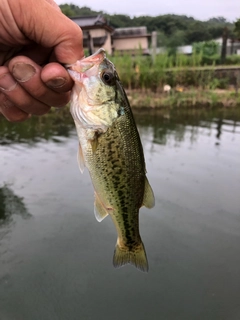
[136, 257]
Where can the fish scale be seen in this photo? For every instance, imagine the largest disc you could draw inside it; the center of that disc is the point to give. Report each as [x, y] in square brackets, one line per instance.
[117, 179]
[111, 149]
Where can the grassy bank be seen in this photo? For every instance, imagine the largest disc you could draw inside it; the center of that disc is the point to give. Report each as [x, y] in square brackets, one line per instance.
[190, 98]
[147, 100]
[192, 82]
[141, 72]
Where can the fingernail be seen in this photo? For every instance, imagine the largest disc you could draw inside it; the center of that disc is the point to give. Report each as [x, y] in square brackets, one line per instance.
[7, 82]
[22, 72]
[56, 82]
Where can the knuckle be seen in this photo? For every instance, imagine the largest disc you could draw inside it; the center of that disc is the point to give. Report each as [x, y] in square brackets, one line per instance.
[41, 110]
[10, 111]
[14, 114]
[19, 117]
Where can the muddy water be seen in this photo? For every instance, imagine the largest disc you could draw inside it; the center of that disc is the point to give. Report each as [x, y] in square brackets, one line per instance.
[56, 259]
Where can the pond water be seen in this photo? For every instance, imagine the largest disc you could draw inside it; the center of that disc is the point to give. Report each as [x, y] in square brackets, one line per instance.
[56, 259]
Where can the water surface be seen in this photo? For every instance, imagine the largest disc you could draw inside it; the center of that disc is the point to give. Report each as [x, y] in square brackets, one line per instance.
[56, 259]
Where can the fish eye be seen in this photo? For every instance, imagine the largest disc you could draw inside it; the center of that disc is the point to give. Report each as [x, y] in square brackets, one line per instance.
[108, 77]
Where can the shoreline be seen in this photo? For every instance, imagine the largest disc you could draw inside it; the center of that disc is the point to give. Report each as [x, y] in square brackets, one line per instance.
[187, 98]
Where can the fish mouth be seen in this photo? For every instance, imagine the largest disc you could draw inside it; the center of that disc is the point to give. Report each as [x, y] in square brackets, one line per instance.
[96, 58]
[85, 64]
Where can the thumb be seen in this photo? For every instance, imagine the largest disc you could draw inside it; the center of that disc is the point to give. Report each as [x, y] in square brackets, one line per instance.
[40, 22]
[53, 3]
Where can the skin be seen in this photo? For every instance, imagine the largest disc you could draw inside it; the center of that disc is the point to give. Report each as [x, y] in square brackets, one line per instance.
[35, 40]
[111, 149]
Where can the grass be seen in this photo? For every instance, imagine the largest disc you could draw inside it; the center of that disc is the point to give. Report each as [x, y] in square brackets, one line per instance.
[141, 72]
[191, 98]
[192, 83]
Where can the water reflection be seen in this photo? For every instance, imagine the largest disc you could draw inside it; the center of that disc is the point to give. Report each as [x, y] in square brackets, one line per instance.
[61, 259]
[187, 124]
[163, 124]
[11, 204]
[53, 126]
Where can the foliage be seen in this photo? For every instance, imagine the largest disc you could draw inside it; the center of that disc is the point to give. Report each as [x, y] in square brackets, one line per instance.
[176, 40]
[208, 48]
[192, 97]
[237, 27]
[71, 10]
[170, 67]
[119, 20]
[179, 70]
[233, 59]
[169, 25]
[67, 10]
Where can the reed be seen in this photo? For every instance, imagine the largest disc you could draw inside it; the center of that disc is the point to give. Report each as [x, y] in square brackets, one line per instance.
[141, 72]
[192, 98]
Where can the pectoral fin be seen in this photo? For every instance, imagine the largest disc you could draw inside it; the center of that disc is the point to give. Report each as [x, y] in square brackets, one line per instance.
[99, 210]
[94, 144]
[148, 198]
[80, 159]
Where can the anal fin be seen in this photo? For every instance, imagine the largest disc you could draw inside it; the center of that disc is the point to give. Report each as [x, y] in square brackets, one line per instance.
[148, 198]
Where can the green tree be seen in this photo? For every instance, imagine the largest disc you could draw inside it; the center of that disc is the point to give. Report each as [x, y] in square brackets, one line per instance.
[119, 20]
[170, 26]
[73, 10]
[66, 9]
[237, 28]
[207, 48]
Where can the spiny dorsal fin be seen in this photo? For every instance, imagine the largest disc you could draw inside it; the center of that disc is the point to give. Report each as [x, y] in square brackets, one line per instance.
[148, 198]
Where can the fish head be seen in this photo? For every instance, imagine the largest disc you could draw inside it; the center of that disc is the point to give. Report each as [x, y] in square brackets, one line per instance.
[93, 100]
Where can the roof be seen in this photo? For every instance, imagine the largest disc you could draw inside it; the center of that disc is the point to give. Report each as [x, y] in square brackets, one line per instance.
[92, 22]
[131, 32]
[85, 21]
[97, 41]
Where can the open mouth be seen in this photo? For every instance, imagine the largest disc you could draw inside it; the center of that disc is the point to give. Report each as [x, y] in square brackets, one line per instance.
[78, 70]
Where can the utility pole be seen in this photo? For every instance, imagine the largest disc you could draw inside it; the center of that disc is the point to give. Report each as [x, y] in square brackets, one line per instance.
[154, 44]
[224, 44]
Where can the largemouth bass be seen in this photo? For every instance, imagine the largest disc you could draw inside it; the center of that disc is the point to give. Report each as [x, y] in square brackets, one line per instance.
[110, 148]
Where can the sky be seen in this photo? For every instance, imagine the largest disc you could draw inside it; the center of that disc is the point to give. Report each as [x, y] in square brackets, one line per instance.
[202, 10]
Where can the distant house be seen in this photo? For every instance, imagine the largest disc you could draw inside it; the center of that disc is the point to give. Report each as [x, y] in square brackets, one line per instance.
[188, 50]
[96, 32]
[233, 46]
[130, 40]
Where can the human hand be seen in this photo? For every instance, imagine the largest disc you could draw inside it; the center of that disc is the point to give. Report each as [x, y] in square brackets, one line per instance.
[35, 39]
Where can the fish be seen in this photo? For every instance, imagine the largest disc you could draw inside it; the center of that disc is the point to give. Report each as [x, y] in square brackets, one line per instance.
[111, 149]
